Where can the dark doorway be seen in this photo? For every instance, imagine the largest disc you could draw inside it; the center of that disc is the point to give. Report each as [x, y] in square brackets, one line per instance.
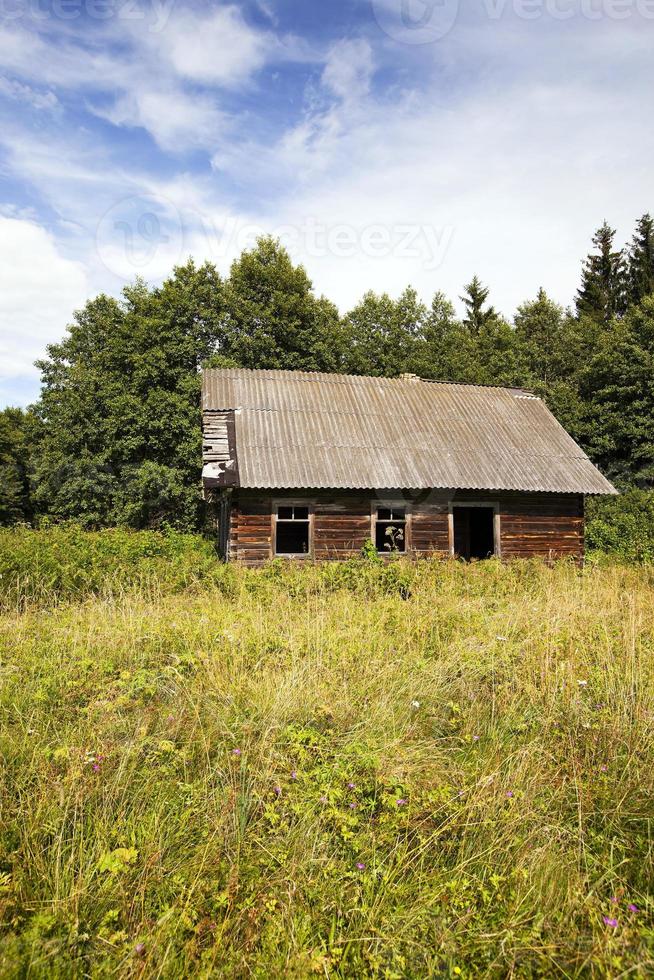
[474, 532]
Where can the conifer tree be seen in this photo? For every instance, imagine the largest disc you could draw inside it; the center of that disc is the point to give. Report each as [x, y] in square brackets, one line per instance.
[603, 292]
[641, 260]
[474, 299]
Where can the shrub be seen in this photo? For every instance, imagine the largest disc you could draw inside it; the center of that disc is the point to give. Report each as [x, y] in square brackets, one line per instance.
[65, 562]
[622, 526]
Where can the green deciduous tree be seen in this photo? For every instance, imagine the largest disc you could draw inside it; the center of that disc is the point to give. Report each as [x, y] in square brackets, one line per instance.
[120, 438]
[273, 319]
[384, 334]
[15, 503]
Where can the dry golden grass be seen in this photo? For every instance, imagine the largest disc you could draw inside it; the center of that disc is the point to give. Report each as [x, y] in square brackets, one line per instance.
[342, 772]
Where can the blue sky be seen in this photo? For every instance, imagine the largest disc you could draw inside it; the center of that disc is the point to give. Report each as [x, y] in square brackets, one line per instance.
[387, 142]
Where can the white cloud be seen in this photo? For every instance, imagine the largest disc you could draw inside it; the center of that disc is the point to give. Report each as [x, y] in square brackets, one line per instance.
[507, 141]
[12, 89]
[176, 120]
[349, 69]
[39, 290]
[218, 49]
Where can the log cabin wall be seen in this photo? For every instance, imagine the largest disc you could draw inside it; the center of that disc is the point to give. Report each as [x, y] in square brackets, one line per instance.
[530, 525]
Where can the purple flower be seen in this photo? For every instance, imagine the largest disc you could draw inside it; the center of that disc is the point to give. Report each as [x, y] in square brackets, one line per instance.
[323, 799]
[632, 907]
[604, 768]
[96, 767]
[475, 738]
[401, 802]
[294, 775]
[509, 795]
[139, 949]
[351, 786]
[236, 751]
[353, 806]
[608, 921]
[361, 866]
[277, 791]
[613, 900]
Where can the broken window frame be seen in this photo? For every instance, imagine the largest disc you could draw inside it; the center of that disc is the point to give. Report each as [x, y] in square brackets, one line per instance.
[403, 523]
[308, 521]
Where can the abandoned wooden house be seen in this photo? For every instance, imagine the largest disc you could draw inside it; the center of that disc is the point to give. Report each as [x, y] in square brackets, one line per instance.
[313, 466]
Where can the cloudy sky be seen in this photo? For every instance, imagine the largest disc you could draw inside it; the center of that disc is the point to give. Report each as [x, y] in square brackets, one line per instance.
[386, 142]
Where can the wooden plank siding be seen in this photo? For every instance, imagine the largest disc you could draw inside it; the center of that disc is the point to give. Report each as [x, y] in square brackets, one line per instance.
[531, 525]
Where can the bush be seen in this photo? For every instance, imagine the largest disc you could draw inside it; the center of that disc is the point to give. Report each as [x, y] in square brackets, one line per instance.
[65, 562]
[622, 526]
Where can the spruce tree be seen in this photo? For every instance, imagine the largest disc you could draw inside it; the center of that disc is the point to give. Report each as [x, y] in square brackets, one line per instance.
[641, 260]
[474, 299]
[603, 292]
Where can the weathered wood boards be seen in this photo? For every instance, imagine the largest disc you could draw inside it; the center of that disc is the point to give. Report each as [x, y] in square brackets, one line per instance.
[530, 524]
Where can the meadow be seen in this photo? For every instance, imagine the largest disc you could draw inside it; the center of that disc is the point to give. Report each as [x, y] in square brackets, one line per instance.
[358, 770]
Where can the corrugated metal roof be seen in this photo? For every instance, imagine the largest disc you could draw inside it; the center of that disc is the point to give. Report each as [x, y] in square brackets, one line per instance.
[297, 430]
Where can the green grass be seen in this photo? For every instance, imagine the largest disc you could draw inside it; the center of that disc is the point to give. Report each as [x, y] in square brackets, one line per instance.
[177, 755]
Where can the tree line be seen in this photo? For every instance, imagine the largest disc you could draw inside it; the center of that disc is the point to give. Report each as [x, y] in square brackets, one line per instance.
[114, 438]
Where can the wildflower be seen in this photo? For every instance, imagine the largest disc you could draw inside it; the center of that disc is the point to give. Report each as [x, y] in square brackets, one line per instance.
[139, 949]
[415, 704]
[613, 900]
[475, 738]
[361, 866]
[632, 907]
[604, 768]
[277, 791]
[509, 794]
[351, 786]
[236, 751]
[96, 767]
[294, 775]
[502, 639]
[582, 683]
[608, 921]
[401, 802]
[323, 799]
[353, 806]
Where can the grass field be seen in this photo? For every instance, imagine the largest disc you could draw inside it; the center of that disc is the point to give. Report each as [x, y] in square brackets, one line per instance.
[356, 771]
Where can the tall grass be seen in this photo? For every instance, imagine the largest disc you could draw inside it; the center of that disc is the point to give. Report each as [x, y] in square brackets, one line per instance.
[340, 772]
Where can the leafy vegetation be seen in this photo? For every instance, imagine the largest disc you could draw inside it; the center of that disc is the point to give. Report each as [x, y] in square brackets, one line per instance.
[115, 437]
[263, 775]
[622, 527]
